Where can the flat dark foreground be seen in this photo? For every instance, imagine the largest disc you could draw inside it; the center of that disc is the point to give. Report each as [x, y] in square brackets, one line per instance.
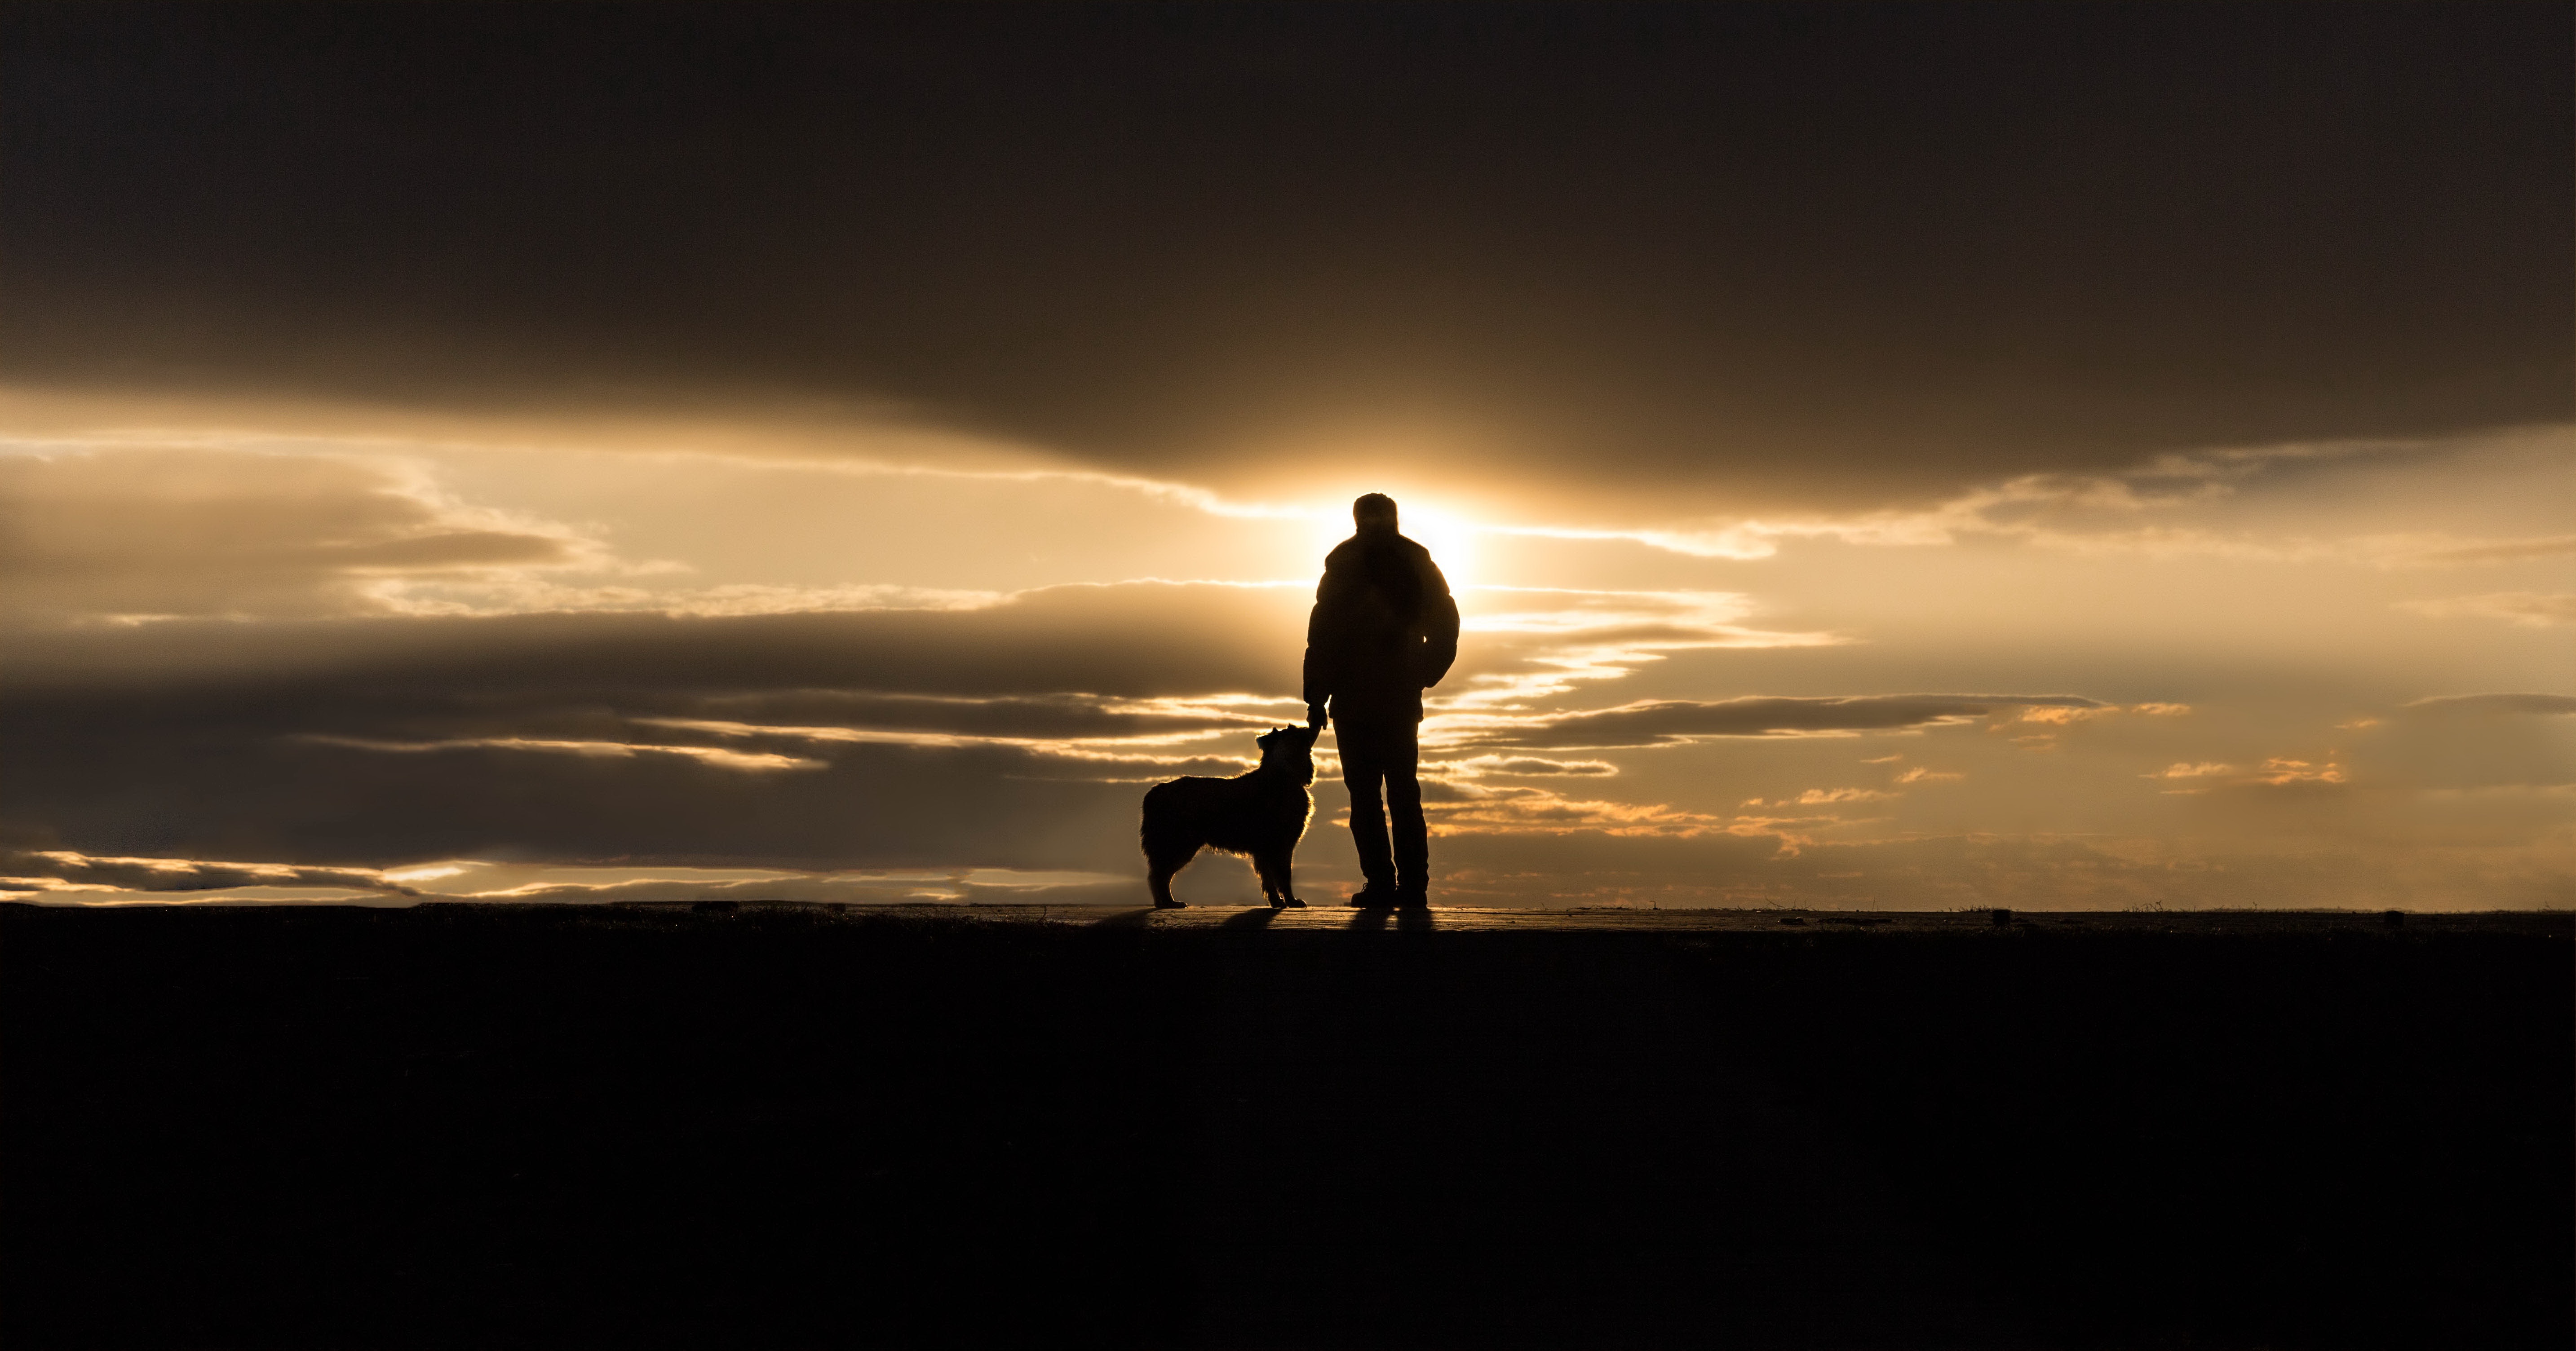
[519, 1126]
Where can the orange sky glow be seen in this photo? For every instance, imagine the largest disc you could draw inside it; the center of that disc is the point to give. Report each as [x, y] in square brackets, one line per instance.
[858, 470]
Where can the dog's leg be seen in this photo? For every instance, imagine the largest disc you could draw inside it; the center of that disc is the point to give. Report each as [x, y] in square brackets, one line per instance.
[1273, 866]
[1158, 875]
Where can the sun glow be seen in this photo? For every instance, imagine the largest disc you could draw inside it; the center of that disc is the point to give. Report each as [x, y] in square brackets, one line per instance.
[1450, 537]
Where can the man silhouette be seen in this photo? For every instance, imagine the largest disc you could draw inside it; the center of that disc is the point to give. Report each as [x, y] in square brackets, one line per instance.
[1383, 630]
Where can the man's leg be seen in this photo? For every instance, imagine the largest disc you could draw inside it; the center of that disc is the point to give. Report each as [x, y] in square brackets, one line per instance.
[1362, 770]
[1412, 838]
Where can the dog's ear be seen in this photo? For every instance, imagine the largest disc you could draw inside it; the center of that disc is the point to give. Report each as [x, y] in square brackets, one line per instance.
[1264, 740]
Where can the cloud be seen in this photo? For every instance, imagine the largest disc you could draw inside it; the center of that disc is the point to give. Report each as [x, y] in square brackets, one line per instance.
[2544, 704]
[1382, 287]
[158, 532]
[317, 803]
[708, 755]
[1533, 643]
[2057, 719]
[1062, 720]
[122, 531]
[57, 869]
[1820, 797]
[153, 534]
[2280, 772]
[1137, 640]
[510, 593]
[949, 887]
[1484, 766]
[2502, 551]
[64, 875]
[1672, 721]
[2471, 743]
[1011, 735]
[1542, 811]
[2207, 776]
[2062, 715]
[2176, 504]
[2527, 609]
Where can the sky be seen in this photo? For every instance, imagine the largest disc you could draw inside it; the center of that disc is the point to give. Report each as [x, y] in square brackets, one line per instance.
[1918, 457]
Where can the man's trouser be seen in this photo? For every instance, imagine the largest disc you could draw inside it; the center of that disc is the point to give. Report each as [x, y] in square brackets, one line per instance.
[1383, 749]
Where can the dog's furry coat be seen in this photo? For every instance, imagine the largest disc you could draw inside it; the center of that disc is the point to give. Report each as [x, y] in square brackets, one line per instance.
[1260, 815]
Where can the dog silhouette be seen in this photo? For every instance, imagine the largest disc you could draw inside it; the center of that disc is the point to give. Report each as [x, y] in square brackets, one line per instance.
[1260, 815]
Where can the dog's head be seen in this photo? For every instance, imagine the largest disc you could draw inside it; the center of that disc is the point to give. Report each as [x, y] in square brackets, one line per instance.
[1291, 749]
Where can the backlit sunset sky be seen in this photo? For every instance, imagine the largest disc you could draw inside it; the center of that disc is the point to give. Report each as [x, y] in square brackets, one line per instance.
[1917, 457]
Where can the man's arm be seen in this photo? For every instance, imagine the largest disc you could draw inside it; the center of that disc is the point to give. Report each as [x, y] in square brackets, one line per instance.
[1439, 624]
[1321, 665]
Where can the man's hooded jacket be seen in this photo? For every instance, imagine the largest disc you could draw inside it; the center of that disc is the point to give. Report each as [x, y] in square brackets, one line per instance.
[1384, 627]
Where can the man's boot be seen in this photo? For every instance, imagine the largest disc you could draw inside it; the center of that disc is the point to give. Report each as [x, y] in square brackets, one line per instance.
[1412, 852]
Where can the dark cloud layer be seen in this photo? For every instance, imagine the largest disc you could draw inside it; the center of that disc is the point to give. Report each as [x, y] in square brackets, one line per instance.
[1803, 251]
[1137, 640]
[213, 795]
[1665, 721]
[1006, 735]
[378, 742]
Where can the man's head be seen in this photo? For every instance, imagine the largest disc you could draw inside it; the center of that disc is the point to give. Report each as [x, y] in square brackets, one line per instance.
[1376, 511]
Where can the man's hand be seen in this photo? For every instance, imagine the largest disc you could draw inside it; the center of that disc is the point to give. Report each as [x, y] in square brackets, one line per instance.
[1315, 715]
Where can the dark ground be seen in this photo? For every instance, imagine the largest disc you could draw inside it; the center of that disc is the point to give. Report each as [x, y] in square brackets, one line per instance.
[524, 1126]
